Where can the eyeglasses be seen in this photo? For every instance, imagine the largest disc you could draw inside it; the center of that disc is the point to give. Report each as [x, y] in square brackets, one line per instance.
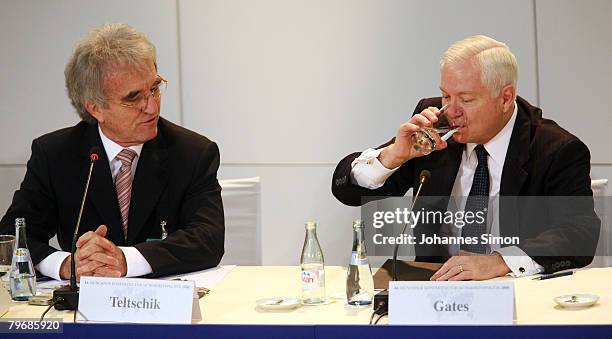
[140, 100]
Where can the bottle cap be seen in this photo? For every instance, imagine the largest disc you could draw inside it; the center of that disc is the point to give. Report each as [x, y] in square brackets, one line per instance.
[311, 225]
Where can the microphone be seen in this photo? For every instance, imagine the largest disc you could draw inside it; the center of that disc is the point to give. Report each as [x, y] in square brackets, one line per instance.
[423, 178]
[67, 297]
[381, 299]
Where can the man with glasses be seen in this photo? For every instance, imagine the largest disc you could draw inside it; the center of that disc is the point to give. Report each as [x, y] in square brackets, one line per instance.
[154, 205]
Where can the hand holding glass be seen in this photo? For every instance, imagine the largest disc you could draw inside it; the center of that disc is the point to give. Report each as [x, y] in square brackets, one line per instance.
[425, 140]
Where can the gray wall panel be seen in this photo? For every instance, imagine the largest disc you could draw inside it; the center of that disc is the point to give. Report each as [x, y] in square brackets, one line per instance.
[10, 178]
[575, 54]
[309, 81]
[37, 39]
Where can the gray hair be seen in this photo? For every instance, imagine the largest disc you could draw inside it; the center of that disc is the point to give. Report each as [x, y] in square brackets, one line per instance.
[105, 46]
[497, 64]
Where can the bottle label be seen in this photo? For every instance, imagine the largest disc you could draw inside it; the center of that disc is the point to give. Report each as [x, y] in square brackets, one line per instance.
[21, 255]
[312, 279]
[357, 261]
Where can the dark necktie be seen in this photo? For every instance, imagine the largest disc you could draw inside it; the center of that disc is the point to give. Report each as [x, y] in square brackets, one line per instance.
[478, 201]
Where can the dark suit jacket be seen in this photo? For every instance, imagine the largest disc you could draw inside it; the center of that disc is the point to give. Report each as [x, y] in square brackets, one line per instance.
[542, 160]
[175, 181]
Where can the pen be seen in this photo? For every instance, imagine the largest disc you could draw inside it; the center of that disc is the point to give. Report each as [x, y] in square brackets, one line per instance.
[554, 275]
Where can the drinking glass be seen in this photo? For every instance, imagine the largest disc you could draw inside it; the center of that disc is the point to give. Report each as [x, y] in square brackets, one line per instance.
[7, 245]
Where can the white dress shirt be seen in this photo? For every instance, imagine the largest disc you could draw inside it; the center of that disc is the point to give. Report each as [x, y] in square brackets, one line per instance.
[137, 265]
[367, 171]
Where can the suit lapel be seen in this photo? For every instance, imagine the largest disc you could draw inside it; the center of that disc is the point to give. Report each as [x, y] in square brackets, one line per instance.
[149, 182]
[102, 188]
[514, 174]
[448, 172]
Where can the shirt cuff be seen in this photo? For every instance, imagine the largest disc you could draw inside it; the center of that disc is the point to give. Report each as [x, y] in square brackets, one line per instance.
[519, 262]
[50, 266]
[137, 265]
[367, 171]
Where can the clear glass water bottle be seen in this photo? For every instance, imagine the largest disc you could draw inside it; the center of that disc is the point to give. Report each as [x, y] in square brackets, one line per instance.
[22, 275]
[313, 267]
[359, 280]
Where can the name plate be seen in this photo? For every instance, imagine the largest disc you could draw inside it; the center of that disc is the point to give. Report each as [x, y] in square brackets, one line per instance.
[451, 302]
[131, 300]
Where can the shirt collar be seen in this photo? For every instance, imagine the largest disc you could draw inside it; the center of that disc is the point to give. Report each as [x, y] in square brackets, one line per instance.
[112, 148]
[497, 147]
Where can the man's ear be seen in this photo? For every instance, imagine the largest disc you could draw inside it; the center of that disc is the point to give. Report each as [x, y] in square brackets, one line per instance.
[508, 94]
[94, 110]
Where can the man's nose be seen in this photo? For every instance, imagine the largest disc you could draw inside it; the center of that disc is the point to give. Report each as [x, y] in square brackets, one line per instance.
[450, 109]
[151, 105]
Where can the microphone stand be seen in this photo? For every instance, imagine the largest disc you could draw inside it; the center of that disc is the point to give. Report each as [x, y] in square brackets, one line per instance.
[423, 179]
[381, 299]
[67, 297]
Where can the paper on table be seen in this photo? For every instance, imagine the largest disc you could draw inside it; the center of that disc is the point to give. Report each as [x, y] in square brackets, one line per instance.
[206, 278]
[50, 285]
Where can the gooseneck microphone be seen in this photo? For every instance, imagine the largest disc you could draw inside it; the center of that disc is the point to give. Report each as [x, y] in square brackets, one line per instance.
[67, 297]
[381, 300]
[423, 178]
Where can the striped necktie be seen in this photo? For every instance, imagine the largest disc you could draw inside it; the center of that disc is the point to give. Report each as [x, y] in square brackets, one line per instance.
[123, 185]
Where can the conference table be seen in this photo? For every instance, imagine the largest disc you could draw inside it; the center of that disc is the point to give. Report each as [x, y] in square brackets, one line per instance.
[230, 310]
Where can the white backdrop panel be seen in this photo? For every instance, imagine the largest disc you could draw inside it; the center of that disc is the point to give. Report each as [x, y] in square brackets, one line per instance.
[308, 81]
[37, 39]
[290, 196]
